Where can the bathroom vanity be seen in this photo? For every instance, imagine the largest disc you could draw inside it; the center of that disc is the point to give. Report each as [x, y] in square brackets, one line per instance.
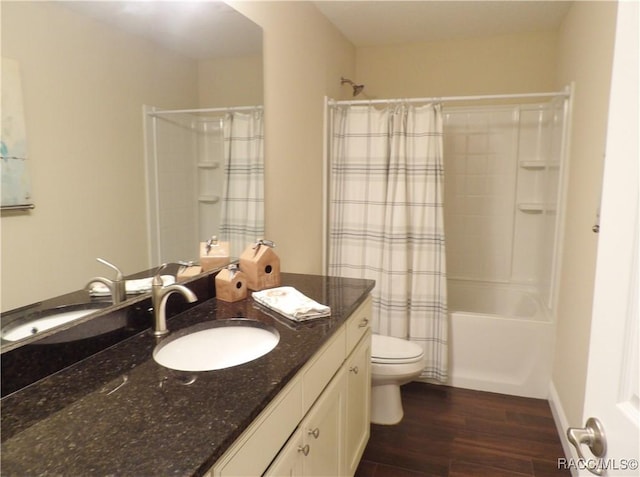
[301, 408]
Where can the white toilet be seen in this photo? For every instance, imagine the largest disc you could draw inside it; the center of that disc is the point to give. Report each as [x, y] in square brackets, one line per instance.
[394, 362]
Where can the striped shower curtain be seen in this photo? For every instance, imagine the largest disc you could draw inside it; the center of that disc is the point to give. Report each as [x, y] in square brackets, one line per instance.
[386, 219]
[242, 214]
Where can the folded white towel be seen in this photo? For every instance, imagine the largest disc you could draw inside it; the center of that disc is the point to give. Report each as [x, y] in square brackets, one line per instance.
[291, 303]
[133, 287]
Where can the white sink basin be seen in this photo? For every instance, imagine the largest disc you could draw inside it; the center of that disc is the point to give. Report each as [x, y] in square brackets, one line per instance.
[47, 320]
[216, 345]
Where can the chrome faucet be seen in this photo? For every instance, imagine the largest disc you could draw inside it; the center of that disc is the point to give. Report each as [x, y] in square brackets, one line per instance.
[159, 296]
[116, 287]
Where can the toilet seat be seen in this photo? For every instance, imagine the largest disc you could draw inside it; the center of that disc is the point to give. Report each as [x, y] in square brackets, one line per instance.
[390, 350]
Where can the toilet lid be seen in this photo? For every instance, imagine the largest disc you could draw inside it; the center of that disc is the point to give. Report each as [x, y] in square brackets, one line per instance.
[386, 349]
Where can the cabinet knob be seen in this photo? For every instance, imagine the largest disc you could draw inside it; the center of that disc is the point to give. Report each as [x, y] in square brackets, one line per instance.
[314, 432]
[304, 449]
[354, 369]
[363, 323]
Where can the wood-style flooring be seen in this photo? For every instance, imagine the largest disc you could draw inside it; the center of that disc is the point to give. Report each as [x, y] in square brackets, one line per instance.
[458, 432]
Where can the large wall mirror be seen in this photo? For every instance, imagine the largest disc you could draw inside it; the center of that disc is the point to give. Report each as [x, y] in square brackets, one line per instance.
[87, 71]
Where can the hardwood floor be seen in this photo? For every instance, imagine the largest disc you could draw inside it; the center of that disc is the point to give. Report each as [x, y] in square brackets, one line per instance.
[458, 432]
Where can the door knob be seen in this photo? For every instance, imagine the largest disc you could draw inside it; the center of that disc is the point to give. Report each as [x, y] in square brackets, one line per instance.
[593, 436]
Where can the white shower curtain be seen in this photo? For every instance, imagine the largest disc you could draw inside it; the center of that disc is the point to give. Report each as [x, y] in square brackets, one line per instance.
[386, 219]
[242, 215]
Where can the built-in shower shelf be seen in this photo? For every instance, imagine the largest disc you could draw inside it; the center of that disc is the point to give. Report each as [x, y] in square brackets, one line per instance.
[209, 199]
[531, 207]
[208, 165]
[533, 165]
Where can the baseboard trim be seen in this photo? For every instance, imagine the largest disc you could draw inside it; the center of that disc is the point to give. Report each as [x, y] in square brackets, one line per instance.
[560, 419]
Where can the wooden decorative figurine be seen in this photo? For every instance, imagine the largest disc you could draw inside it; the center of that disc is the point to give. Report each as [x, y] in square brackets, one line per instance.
[213, 254]
[261, 265]
[188, 271]
[231, 284]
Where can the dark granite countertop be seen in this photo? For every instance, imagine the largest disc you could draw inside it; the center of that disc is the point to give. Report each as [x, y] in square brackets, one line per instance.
[120, 413]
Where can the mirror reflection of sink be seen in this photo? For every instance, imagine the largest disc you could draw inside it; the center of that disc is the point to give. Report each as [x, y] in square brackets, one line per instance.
[48, 319]
[216, 344]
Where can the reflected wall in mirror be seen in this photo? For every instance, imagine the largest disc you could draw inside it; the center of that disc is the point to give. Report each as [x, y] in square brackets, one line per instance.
[87, 69]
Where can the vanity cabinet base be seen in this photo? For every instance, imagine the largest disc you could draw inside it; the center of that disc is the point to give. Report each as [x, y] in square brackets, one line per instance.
[319, 424]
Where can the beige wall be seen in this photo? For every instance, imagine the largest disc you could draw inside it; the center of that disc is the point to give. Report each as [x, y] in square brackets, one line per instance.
[521, 63]
[304, 58]
[83, 90]
[235, 81]
[585, 56]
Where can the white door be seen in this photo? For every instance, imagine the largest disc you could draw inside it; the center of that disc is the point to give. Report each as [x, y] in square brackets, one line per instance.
[612, 390]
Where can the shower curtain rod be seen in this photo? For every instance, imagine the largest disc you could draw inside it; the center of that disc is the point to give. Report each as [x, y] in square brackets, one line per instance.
[204, 110]
[448, 99]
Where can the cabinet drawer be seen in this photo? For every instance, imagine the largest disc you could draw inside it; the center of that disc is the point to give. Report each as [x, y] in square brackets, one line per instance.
[358, 324]
[322, 367]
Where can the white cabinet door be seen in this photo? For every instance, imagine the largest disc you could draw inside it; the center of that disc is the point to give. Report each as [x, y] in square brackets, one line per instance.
[358, 403]
[316, 448]
[323, 431]
[289, 461]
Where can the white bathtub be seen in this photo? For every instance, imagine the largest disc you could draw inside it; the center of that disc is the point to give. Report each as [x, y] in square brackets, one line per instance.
[501, 339]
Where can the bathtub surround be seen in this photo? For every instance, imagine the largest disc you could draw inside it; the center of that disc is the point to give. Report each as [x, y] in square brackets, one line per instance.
[183, 162]
[205, 173]
[504, 168]
[501, 338]
[386, 220]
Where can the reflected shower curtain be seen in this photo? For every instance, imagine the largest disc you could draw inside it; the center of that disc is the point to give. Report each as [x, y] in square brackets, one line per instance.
[386, 219]
[242, 214]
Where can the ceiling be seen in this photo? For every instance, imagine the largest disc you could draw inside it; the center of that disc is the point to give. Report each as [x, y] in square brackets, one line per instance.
[376, 23]
[207, 29]
[197, 29]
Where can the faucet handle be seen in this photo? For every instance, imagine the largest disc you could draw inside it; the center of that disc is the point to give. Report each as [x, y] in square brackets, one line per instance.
[119, 276]
[157, 279]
